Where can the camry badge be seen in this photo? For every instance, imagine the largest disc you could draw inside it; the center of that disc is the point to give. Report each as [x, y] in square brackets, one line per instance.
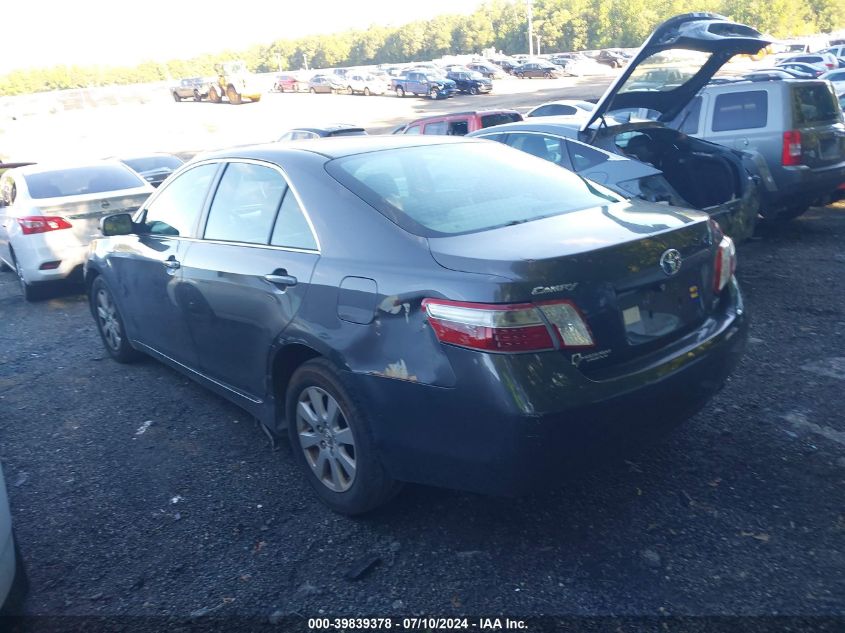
[670, 262]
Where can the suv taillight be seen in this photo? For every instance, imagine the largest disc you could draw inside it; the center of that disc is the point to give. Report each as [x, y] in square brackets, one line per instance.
[519, 327]
[725, 264]
[791, 148]
[42, 224]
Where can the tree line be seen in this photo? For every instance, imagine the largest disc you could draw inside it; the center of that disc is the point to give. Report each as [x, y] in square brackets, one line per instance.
[562, 25]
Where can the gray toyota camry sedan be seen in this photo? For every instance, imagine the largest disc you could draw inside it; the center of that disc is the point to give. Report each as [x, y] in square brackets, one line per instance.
[446, 311]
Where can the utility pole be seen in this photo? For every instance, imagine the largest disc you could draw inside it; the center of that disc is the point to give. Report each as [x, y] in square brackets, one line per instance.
[539, 38]
[530, 28]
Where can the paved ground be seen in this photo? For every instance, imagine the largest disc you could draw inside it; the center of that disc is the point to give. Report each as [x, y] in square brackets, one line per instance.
[160, 124]
[136, 492]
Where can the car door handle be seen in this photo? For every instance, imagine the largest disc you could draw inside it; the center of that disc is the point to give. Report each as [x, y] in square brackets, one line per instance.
[172, 264]
[281, 280]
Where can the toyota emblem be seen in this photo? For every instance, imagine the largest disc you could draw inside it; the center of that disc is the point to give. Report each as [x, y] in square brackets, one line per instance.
[670, 262]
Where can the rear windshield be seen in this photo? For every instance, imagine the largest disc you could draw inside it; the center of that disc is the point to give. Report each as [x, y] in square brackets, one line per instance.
[814, 104]
[150, 163]
[438, 190]
[81, 180]
[665, 70]
[500, 118]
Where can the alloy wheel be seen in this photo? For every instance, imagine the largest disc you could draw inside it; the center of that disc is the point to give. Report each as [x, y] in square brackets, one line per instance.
[108, 319]
[326, 439]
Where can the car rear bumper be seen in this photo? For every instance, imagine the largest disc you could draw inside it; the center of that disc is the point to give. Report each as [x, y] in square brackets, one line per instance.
[41, 250]
[802, 186]
[514, 423]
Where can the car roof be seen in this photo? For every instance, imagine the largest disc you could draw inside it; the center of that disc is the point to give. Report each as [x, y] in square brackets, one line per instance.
[334, 146]
[447, 115]
[337, 127]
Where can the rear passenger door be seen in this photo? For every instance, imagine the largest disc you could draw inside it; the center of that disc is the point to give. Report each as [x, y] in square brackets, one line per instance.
[247, 276]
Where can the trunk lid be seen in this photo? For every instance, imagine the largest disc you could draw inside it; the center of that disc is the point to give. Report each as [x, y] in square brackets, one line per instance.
[85, 211]
[675, 62]
[611, 262]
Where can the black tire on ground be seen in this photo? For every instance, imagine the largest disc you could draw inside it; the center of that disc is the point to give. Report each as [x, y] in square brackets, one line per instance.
[13, 606]
[473, 90]
[110, 323]
[400, 91]
[371, 486]
[547, 75]
[233, 96]
[520, 76]
[30, 292]
[197, 95]
[434, 93]
[176, 97]
[214, 95]
[366, 91]
[313, 91]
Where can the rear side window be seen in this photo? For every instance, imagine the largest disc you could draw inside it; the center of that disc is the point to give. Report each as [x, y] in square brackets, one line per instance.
[154, 162]
[500, 118]
[548, 148]
[81, 180]
[813, 104]
[458, 128]
[437, 127]
[688, 119]
[245, 204]
[741, 110]
[291, 229]
[584, 157]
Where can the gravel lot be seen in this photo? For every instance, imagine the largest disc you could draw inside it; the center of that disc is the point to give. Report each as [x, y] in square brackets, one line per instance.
[136, 492]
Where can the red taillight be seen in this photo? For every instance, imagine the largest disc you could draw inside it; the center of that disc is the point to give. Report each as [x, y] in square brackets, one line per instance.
[522, 327]
[791, 148]
[42, 224]
[725, 264]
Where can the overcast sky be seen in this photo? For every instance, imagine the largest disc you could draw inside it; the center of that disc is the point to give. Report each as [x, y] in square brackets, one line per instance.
[43, 33]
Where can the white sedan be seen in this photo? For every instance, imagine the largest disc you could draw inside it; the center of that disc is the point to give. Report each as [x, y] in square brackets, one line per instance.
[365, 84]
[13, 579]
[49, 215]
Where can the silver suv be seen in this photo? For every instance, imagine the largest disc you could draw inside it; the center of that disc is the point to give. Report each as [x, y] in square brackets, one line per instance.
[792, 128]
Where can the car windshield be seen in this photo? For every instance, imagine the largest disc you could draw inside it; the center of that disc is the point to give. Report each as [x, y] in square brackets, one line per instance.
[665, 71]
[81, 180]
[449, 189]
[148, 163]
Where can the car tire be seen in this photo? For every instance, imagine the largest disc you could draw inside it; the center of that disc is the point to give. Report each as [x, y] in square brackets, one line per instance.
[400, 91]
[29, 291]
[366, 91]
[316, 389]
[473, 90]
[313, 91]
[791, 213]
[176, 97]
[13, 606]
[197, 96]
[214, 95]
[520, 75]
[233, 96]
[547, 75]
[434, 94]
[110, 323]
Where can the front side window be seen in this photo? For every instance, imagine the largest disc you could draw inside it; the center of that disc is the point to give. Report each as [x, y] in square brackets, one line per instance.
[740, 110]
[177, 207]
[414, 129]
[437, 127]
[245, 204]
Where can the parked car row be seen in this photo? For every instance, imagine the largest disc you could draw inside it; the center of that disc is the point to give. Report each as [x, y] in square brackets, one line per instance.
[462, 312]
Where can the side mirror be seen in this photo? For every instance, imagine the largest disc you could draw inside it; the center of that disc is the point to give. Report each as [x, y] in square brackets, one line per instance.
[117, 224]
